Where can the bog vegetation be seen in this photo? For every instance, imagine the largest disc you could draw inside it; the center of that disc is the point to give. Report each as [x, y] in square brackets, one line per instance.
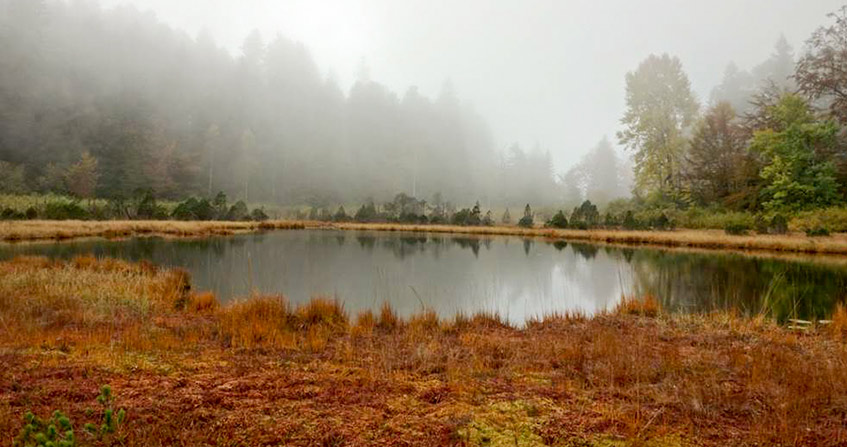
[270, 372]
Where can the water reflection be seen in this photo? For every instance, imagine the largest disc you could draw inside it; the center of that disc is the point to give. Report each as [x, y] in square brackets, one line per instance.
[469, 274]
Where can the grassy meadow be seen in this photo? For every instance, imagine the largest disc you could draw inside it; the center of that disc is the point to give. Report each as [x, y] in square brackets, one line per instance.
[188, 371]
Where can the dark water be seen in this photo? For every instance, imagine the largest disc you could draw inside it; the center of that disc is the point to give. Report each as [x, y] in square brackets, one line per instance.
[515, 277]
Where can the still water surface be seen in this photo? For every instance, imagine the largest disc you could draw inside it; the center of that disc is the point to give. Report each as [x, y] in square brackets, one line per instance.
[518, 278]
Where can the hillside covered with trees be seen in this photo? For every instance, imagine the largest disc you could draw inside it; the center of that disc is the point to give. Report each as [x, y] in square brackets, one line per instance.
[153, 108]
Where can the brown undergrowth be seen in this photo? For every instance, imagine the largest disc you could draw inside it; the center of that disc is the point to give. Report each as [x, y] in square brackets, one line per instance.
[262, 371]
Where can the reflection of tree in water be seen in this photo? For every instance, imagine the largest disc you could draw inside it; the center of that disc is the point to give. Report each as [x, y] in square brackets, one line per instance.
[340, 239]
[560, 245]
[466, 243]
[701, 283]
[527, 246]
[405, 245]
[587, 251]
[366, 241]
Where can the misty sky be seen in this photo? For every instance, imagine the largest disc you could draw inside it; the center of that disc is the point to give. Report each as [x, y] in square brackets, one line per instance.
[547, 72]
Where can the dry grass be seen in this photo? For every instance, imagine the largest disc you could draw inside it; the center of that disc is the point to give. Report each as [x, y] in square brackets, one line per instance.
[647, 306]
[707, 239]
[31, 230]
[262, 372]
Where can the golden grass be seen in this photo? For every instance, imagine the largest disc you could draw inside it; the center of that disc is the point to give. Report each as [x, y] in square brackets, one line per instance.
[260, 371]
[647, 306]
[30, 230]
[707, 239]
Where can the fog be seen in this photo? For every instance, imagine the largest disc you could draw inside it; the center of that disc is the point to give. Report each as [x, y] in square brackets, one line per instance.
[344, 101]
[546, 72]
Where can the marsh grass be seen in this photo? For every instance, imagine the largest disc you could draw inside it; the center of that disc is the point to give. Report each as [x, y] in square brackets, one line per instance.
[704, 239]
[261, 368]
[33, 230]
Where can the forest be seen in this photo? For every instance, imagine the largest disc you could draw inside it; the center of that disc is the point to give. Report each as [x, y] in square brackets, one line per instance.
[157, 109]
[113, 104]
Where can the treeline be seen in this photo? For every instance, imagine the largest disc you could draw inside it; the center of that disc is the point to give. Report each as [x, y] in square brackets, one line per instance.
[409, 210]
[157, 109]
[143, 205]
[770, 142]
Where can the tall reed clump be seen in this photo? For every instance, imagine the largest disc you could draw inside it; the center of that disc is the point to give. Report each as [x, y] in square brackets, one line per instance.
[257, 322]
[85, 297]
[838, 326]
[647, 306]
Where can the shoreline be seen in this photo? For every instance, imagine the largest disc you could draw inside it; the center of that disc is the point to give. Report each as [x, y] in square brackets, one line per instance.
[23, 231]
[266, 371]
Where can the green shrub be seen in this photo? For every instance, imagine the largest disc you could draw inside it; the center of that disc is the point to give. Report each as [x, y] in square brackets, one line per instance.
[367, 213]
[660, 222]
[585, 215]
[10, 214]
[761, 225]
[461, 217]
[526, 222]
[31, 213]
[737, 228]
[817, 232]
[258, 215]
[629, 222]
[58, 431]
[779, 224]
[834, 219]
[557, 221]
[610, 220]
[341, 215]
[238, 212]
[65, 211]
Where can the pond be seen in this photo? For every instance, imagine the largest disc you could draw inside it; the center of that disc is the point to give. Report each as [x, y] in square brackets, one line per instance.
[517, 278]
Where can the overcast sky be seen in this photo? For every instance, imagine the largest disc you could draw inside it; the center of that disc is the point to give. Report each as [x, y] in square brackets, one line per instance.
[548, 72]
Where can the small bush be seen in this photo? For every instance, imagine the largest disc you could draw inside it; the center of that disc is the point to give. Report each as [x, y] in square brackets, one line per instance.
[761, 225]
[737, 229]
[817, 232]
[238, 212]
[462, 217]
[558, 221]
[367, 213]
[661, 222]
[629, 222]
[65, 211]
[58, 431]
[258, 215]
[779, 224]
[526, 222]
